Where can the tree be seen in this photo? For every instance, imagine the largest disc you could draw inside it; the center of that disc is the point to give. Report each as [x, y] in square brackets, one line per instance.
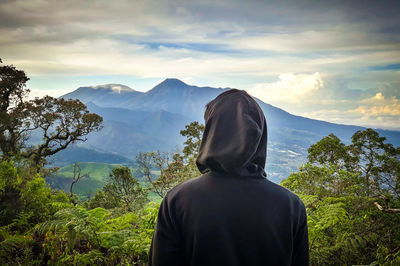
[12, 93]
[378, 162]
[150, 162]
[329, 150]
[324, 181]
[351, 196]
[77, 176]
[193, 133]
[25, 201]
[123, 188]
[174, 169]
[60, 122]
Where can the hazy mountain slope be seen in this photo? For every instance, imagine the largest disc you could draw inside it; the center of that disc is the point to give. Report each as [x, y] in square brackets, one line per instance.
[160, 124]
[123, 139]
[79, 154]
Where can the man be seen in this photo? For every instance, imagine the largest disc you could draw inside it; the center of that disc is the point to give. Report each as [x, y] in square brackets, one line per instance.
[231, 215]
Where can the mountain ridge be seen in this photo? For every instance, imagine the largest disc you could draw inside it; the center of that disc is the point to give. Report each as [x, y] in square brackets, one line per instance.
[140, 122]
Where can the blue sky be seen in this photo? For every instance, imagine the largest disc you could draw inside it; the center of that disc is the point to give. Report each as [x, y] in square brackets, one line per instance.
[331, 60]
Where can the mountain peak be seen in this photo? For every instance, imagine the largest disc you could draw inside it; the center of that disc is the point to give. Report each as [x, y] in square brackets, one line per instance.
[172, 82]
[169, 86]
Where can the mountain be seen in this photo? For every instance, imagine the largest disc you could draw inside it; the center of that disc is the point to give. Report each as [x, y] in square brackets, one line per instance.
[175, 96]
[128, 132]
[137, 122]
[109, 95]
[161, 124]
[75, 153]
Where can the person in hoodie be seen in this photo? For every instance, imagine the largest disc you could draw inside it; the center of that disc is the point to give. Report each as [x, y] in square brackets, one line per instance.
[232, 214]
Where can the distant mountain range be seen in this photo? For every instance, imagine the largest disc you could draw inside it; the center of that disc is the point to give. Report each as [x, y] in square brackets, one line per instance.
[138, 122]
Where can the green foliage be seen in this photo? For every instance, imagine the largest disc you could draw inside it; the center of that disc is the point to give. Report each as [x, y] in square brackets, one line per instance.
[93, 257]
[40, 226]
[26, 201]
[387, 257]
[328, 150]
[123, 189]
[9, 178]
[16, 248]
[77, 235]
[193, 133]
[339, 187]
[324, 181]
[60, 122]
[100, 199]
[377, 162]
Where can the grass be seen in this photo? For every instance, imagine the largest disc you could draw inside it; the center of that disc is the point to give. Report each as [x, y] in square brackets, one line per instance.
[96, 171]
[94, 176]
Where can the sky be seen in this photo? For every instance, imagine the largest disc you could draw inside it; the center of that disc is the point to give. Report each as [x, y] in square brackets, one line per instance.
[337, 61]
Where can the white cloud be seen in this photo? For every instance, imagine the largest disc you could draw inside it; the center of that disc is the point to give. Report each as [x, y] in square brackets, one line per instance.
[378, 106]
[290, 88]
[376, 111]
[378, 98]
[225, 43]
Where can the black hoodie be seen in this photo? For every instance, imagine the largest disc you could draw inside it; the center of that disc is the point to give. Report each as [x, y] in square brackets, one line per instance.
[231, 215]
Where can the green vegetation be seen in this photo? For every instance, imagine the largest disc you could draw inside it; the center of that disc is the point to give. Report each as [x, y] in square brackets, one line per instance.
[352, 196]
[114, 227]
[96, 171]
[39, 225]
[351, 192]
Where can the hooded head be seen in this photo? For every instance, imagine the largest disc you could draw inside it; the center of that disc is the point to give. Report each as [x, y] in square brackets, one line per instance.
[235, 136]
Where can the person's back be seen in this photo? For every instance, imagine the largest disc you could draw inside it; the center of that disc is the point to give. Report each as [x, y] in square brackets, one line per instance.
[231, 215]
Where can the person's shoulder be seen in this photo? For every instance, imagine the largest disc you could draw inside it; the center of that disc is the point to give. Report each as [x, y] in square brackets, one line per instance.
[182, 187]
[285, 193]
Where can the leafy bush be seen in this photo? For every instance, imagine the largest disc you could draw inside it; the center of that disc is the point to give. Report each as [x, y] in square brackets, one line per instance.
[93, 236]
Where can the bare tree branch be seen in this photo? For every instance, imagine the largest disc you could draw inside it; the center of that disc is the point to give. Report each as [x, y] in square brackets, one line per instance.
[384, 209]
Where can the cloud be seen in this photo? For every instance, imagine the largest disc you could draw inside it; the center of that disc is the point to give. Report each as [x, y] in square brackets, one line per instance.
[351, 117]
[378, 106]
[375, 111]
[264, 38]
[242, 44]
[290, 88]
[375, 99]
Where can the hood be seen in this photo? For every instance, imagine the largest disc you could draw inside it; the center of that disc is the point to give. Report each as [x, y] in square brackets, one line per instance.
[235, 136]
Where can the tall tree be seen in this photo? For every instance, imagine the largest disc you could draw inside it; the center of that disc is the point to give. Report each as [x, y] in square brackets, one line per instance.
[60, 122]
[378, 162]
[329, 150]
[122, 187]
[12, 94]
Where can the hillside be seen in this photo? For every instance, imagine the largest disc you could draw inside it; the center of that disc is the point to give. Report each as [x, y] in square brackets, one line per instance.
[93, 178]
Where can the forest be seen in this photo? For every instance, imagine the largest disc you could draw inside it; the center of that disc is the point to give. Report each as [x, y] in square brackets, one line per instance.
[351, 191]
